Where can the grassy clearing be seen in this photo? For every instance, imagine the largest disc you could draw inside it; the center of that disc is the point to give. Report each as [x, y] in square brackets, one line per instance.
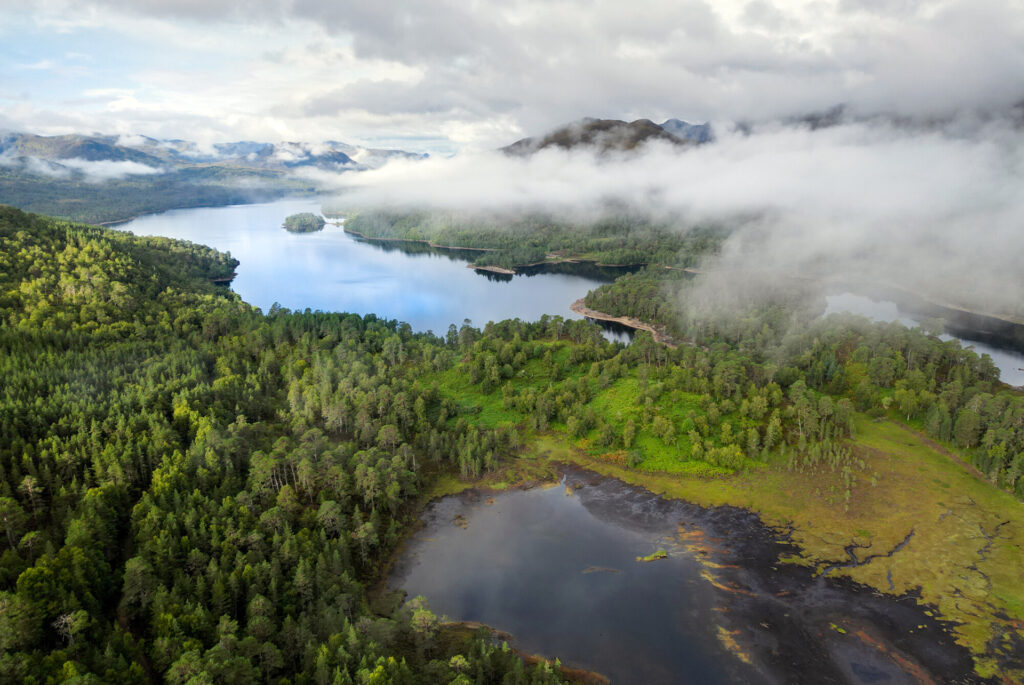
[490, 413]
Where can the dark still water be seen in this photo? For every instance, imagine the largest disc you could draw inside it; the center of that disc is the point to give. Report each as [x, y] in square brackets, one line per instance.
[557, 569]
[541, 565]
[333, 271]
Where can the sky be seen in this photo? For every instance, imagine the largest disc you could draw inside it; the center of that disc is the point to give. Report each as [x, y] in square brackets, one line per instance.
[467, 75]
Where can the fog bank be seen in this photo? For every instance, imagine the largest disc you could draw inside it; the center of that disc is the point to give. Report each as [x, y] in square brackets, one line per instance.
[938, 210]
[92, 171]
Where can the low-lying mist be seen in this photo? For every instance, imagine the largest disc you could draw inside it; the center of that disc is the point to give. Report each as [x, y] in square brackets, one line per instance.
[938, 210]
[91, 171]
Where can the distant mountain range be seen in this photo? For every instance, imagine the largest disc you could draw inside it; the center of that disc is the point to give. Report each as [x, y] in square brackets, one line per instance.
[613, 135]
[167, 155]
[103, 178]
[97, 178]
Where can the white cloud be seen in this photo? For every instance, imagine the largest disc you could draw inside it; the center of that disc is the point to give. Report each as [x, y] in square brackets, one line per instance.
[938, 210]
[106, 170]
[480, 74]
[93, 171]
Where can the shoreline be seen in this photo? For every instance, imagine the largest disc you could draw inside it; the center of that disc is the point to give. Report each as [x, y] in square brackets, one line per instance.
[116, 222]
[428, 243]
[496, 269]
[755, 585]
[627, 321]
[493, 269]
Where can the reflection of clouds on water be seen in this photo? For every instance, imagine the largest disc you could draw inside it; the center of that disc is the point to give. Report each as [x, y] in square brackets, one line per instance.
[333, 271]
[1009, 362]
[537, 562]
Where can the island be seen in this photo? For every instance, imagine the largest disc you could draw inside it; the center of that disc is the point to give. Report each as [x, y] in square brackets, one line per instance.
[306, 222]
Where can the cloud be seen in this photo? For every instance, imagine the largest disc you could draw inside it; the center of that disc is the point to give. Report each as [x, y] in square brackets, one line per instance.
[937, 210]
[108, 170]
[35, 166]
[371, 68]
[93, 171]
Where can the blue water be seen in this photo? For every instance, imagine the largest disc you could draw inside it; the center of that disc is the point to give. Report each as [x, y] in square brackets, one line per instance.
[333, 271]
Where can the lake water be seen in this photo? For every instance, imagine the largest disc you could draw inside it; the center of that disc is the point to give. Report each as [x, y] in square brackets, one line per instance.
[557, 569]
[333, 271]
[540, 565]
[1009, 362]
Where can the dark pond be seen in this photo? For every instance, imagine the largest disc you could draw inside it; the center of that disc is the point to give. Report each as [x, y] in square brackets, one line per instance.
[557, 569]
[333, 271]
[1009, 359]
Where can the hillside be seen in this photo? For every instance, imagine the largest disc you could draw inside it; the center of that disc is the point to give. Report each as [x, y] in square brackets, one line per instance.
[177, 506]
[601, 135]
[191, 489]
[101, 179]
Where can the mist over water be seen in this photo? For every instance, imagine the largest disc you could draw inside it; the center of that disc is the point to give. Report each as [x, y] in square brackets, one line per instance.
[933, 208]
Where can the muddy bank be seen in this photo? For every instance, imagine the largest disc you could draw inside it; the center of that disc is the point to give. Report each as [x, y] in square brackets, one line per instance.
[747, 616]
[796, 627]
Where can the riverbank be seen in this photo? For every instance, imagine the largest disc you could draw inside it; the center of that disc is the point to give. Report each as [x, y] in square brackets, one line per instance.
[660, 336]
[550, 260]
[428, 243]
[117, 222]
[492, 269]
[901, 516]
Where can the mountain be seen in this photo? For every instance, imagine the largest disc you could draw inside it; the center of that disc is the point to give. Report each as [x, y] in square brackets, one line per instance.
[178, 154]
[101, 178]
[86, 148]
[603, 135]
[698, 133]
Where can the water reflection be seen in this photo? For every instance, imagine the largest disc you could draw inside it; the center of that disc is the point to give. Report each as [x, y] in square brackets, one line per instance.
[333, 271]
[565, 581]
[557, 568]
[616, 332]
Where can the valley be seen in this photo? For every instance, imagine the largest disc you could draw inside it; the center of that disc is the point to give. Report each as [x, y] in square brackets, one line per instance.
[701, 427]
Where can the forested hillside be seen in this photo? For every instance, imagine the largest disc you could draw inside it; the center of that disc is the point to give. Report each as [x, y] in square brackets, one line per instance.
[192, 491]
[949, 392]
[512, 242]
[84, 199]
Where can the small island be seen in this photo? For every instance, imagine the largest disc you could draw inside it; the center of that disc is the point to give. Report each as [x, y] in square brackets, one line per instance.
[660, 554]
[304, 223]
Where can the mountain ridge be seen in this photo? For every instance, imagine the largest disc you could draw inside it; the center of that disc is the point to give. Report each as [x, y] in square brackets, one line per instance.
[613, 135]
[177, 153]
